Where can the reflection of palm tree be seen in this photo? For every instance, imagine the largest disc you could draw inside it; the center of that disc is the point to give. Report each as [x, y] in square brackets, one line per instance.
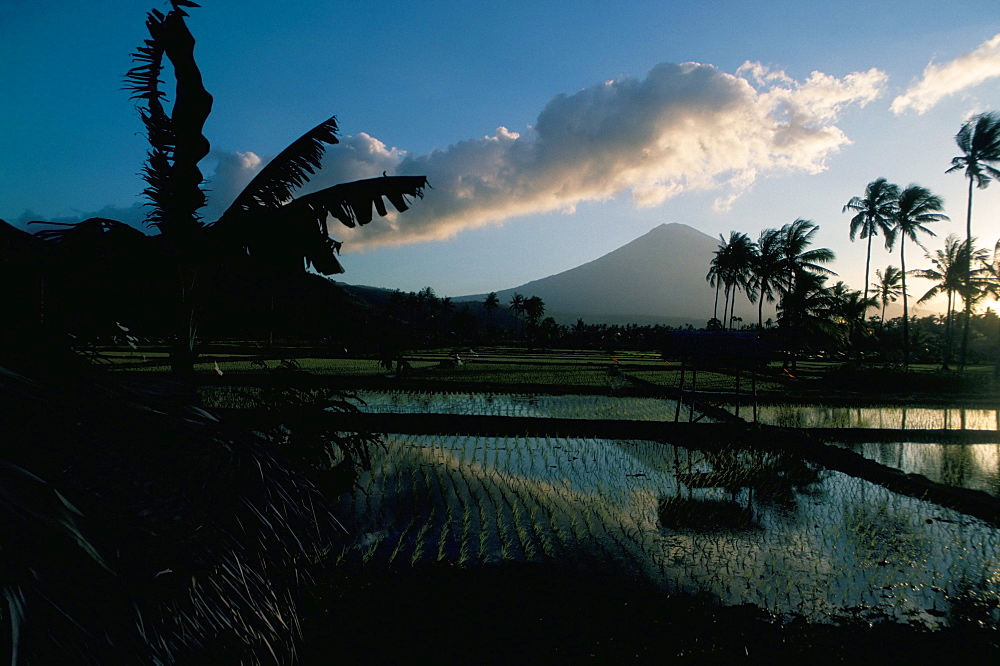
[949, 272]
[888, 287]
[874, 214]
[917, 208]
[979, 141]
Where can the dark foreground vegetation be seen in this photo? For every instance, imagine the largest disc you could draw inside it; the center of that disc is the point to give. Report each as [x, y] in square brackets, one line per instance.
[146, 522]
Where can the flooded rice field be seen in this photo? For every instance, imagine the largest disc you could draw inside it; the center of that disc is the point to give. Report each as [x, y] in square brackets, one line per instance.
[515, 404]
[972, 466]
[877, 416]
[742, 526]
[661, 409]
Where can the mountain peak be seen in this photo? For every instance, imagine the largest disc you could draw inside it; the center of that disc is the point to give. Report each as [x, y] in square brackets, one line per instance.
[659, 275]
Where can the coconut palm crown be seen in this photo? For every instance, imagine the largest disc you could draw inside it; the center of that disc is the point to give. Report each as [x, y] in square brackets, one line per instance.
[874, 213]
[918, 207]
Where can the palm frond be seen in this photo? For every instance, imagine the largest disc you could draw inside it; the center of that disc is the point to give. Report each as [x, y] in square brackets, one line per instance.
[298, 230]
[272, 187]
[352, 203]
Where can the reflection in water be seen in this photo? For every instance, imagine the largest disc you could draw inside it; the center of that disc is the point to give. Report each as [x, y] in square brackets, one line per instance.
[743, 526]
[918, 418]
[973, 466]
[516, 404]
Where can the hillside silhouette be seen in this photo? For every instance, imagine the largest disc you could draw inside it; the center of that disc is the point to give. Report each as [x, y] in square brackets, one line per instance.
[656, 278]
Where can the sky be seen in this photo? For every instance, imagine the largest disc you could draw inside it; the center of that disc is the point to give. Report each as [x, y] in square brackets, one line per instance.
[551, 133]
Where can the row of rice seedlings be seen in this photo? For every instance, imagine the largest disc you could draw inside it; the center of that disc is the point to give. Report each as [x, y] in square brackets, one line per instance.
[790, 568]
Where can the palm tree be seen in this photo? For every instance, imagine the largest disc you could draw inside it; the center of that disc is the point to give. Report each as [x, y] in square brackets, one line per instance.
[917, 208]
[731, 268]
[517, 302]
[949, 272]
[874, 213]
[796, 259]
[534, 308]
[888, 287]
[491, 303]
[714, 276]
[265, 222]
[979, 141]
[848, 308]
[767, 268]
[805, 315]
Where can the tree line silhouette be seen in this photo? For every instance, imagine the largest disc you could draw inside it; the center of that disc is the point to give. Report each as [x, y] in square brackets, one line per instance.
[781, 267]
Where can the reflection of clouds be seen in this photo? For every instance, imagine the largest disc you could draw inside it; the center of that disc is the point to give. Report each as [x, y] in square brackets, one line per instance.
[848, 544]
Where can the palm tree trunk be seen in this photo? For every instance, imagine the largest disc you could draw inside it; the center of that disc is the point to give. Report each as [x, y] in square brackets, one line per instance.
[760, 309]
[183, 356]
[967, 316]
[948, 331]
[868, 262]
[725, 309]
[906, 310]
[715, 311]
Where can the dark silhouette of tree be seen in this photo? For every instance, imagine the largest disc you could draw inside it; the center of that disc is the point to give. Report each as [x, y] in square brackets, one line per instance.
[797, 260]
[874, 214]
[888, 288]
[517, 302]
[848, 308]
[979, 141]
[714, 276]
[490, 304]
[266, 221]
[806, 315]
[534, 308]
[731, 267]
[917, 208]
[949, 272]
[765, 279]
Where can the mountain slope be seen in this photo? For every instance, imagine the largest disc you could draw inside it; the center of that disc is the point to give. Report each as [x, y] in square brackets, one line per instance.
[658, 277]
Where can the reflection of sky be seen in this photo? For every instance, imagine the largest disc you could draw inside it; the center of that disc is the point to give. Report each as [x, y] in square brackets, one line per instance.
[919, 418]
[538, 406]
[842, 544]
[973, 466]
[656, 409]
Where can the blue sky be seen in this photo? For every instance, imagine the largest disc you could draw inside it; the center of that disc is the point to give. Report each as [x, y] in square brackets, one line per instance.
[551, 132]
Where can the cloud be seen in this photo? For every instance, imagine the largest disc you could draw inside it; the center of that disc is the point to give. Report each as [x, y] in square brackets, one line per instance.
[940, 81]
[681, 128]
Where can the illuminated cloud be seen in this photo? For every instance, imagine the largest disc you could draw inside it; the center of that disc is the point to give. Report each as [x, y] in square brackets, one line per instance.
[683, 127]
[940, 81]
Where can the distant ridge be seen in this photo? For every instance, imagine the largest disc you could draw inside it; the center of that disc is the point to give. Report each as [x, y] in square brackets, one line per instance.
[656, 278]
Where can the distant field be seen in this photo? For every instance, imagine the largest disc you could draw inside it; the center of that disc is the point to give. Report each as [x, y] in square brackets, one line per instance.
[560, 370]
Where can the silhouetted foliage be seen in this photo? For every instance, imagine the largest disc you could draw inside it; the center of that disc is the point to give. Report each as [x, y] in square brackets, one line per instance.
[266, 222]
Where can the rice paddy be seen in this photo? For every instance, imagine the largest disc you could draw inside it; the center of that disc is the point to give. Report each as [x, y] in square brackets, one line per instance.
[744, 528]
